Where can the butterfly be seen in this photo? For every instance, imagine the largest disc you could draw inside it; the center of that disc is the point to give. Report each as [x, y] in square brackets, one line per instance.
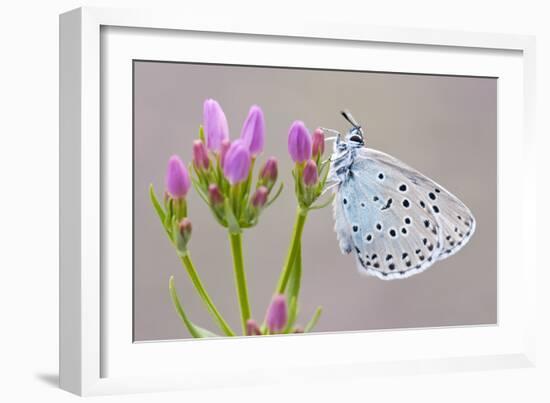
[395, 220]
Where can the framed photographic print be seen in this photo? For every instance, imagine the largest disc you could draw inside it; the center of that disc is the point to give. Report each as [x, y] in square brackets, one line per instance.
[264, 200]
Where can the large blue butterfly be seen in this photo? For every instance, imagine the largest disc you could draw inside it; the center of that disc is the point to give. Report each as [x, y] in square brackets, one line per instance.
[395, 220]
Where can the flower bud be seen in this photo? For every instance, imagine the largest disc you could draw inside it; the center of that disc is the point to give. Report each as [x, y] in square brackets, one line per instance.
[183, 234]
[253, 131]
[177, 178]
[252, 328]
[269, 172]
[236, 164]
[318, 147]
[259, 198]
[277, 314]
[299, 142]
[216, 198]
[200, 155]
[215, 125]
[310, 174]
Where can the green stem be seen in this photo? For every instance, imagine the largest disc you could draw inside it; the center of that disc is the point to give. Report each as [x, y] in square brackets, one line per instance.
[240, 277]
[295, 245]
[195, 279]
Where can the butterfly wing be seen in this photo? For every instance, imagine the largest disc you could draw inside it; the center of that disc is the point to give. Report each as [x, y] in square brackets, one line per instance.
[397, 221]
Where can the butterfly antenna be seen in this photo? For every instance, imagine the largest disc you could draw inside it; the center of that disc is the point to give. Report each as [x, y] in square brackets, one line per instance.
[347, 115]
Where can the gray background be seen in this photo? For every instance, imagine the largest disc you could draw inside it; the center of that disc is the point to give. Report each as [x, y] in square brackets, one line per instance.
[443, 126]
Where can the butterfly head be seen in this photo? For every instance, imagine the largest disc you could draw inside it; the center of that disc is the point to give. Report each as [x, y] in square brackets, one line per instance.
[354, 137]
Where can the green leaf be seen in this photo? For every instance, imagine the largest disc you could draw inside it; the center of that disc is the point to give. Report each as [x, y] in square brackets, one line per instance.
[232, 223]
[200, 190]
[322, 205]
[156, 204]
[309, 327]
[324, 175]
[195, 331]
[277, 194]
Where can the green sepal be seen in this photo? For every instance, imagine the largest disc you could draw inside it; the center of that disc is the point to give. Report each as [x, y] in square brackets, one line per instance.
[248, 183]
[201, 134]
[195, 331]
[311, 324]
[169, 215]
[180, 208]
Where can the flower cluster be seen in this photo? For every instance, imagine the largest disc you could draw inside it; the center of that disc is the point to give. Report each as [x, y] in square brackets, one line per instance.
[310, 172]
[224, 168]
[223, 176]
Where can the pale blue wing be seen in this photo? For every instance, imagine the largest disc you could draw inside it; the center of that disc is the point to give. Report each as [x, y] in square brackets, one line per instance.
[395, 220]
[456, 221]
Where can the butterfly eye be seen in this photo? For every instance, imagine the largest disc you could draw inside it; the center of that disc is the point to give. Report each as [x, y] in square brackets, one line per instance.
[356, 139]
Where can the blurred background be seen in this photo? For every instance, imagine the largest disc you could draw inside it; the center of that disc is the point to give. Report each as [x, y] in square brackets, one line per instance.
[444, 126]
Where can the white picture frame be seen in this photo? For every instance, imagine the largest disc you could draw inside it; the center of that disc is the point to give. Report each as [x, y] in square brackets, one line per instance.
[97, 356]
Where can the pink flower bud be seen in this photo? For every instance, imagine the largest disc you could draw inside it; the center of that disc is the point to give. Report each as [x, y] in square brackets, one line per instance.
[252, 328]
[183, 235]
[318, 147]
[269, 171]
[259, 198]
[177, 178]
[277, 314]
[200, 155]
[310, 174]
[299, 142]
[253, 131]
[215, 125]
[236, 163]
[185, 228]
[216, 198]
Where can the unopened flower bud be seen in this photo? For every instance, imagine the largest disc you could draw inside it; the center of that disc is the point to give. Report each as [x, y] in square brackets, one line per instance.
[269, 172]
[299, 142]
[200, 155]
[215, 125]
[277, 314]
[216, 197]
[253, 131]
[183, 234]
[310, 175]
[259, 198]
[252, 328]
[318, 147]
[237, 162]
[177, 178]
